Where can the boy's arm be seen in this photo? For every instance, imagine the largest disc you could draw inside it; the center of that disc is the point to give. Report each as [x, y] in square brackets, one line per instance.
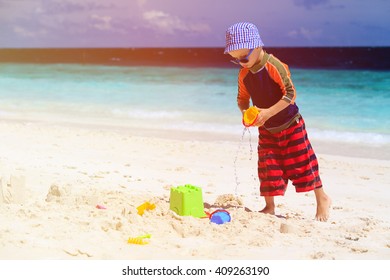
[279, 106]
[267, 113]
[243, 96]
[280, 73]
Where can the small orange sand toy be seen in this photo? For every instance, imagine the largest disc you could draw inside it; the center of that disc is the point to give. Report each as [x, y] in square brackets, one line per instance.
[250, 116]
[139, 240]
[145, 206]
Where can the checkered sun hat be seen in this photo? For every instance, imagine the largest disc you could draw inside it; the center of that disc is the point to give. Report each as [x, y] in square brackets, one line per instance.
[242, 35]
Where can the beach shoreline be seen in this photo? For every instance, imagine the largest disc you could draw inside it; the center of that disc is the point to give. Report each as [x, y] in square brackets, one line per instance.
[55, 174]
[334, 147]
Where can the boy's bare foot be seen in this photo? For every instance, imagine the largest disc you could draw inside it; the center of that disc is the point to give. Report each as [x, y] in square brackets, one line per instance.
[268, 210]
[269, 205]
[323, 205]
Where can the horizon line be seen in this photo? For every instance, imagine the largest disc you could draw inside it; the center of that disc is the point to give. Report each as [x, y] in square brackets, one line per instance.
[216, 47]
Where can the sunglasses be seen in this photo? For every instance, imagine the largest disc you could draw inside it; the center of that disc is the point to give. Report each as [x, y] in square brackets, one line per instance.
[242, 60]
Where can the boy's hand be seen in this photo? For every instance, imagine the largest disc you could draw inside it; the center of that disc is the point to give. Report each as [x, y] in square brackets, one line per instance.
[262, 117]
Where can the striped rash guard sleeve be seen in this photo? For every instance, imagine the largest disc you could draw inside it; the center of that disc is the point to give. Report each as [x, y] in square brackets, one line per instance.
[243, 96]
[280, 73]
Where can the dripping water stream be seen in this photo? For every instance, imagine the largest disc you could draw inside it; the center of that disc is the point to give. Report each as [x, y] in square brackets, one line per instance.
[236, 173]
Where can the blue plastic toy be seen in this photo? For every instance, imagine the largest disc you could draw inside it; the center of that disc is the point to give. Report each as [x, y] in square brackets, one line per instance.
[220, 217]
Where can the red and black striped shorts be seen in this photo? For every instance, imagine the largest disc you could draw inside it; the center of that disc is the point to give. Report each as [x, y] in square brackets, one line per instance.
[287, 155]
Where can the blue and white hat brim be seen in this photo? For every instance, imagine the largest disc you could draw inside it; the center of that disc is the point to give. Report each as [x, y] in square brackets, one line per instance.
[247, 45]
[242, 35]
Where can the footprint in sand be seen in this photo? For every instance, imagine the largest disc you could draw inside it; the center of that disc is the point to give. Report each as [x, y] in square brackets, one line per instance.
[359, 250]
[77, 252]
[288, 228]
[13, 190]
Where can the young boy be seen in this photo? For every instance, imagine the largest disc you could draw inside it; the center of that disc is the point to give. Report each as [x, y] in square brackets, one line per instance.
[284, 150]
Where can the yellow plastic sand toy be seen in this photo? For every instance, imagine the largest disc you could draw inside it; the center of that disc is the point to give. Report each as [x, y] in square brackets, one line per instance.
[139, 240]
[250, 116]
[145, 206]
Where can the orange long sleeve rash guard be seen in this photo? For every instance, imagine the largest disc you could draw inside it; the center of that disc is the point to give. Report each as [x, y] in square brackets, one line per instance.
[265, 84]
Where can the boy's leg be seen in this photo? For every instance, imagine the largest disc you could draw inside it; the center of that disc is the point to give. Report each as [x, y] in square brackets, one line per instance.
[270, 175]
[269, 205]
[303, 170]
[272, 182]
[323, 204]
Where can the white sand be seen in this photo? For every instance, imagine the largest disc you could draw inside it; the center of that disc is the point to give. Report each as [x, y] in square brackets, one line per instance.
[53, 176]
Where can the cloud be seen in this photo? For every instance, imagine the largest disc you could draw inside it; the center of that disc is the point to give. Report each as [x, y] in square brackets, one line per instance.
[308, 4]
[307, 34]
[72, 6]
[101, 22]
[76, 17]
[23, 32]
[141, 2]
[169, 24]
[327, 4]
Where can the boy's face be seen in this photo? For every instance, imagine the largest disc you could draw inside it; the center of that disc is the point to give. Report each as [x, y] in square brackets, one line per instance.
[245, 57]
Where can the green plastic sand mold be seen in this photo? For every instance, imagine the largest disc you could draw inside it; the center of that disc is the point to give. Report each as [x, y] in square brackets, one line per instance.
[187, 200]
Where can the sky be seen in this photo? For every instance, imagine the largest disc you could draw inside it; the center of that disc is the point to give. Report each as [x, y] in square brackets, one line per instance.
[190, 23]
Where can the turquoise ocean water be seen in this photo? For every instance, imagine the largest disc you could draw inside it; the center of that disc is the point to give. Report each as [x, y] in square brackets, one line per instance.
[350, 106]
